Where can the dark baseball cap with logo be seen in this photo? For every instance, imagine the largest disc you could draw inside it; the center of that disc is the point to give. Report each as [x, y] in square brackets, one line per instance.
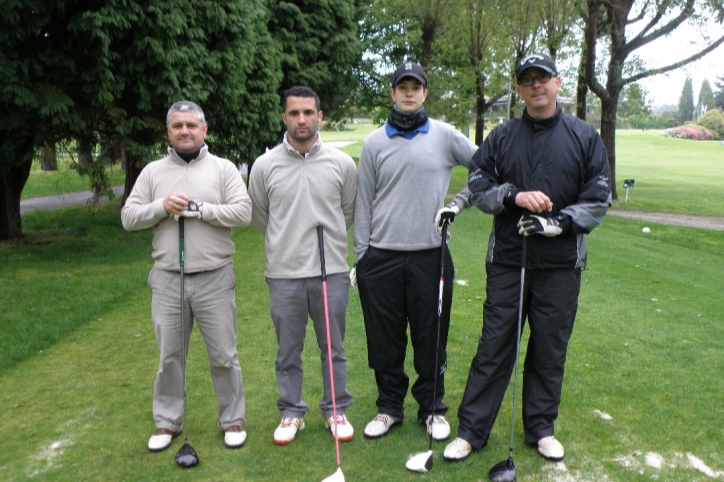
[540, 61]
[409, 69]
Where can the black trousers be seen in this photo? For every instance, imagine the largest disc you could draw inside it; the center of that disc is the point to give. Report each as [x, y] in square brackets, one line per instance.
[397, 288]
[550, 302]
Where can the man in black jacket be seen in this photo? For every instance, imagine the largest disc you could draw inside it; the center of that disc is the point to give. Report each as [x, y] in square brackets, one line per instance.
[545, 177]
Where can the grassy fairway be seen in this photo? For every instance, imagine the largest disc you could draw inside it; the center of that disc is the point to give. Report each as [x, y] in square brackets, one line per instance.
[642, 397]
[642, 394]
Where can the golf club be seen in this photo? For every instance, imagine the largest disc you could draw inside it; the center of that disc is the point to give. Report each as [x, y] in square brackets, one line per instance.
[505, 471]
[338, 476]
[422, 462]
[186, 456]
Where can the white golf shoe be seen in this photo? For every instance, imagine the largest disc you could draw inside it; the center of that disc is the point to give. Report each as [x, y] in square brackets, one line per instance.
[457, 450]
[161, 439]
[345, 432]
[287, 430]
[380, 425]
[438, 427]
[550, 449]
[234, 437]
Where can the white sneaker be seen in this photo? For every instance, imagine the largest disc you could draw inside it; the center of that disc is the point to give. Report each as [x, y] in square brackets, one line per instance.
[550, 449]
[234, 437]
[287, 430]
[438, 427]
[458, 449]
[345, 432]
[380, 425]
[161, 439]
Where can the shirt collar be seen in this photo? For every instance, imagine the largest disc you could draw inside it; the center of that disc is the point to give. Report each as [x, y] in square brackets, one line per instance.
[292, 149]
[392, 131]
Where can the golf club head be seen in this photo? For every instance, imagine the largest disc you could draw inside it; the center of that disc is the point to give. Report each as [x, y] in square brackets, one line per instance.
[503, 471]
[338, 476]
[421, 463]
[186, 456]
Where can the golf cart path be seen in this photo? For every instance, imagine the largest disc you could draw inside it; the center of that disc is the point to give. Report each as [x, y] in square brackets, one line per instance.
[687, 220]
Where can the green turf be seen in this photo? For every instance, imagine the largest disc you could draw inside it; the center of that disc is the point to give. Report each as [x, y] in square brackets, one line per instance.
[641, 399]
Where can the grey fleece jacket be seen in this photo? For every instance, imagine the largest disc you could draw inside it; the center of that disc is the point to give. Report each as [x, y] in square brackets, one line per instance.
[402, 184]
[208, 179]
[291, 195]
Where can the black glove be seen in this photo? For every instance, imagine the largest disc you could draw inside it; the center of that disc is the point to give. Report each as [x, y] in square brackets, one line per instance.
[446, 215]
[532, 224]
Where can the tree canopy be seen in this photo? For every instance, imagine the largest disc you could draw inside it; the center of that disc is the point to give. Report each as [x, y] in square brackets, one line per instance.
[108, 70]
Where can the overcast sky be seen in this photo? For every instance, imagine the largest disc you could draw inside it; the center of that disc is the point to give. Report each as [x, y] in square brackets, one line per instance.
[666, 88]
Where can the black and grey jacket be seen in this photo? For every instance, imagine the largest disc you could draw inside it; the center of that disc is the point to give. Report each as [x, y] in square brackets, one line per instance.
[563, 157]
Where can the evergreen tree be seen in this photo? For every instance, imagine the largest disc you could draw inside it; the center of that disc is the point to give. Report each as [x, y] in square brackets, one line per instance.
[686, 102]
[706, 99]
[110, 69]
[719, 94]
[320, 48]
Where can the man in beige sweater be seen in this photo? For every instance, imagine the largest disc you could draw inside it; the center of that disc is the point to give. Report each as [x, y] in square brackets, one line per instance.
[164, 191]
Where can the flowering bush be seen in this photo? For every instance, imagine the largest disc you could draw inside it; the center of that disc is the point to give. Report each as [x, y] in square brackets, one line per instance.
[714, 121]
[690, 131]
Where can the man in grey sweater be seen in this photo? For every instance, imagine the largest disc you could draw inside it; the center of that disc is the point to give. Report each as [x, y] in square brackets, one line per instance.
[404, 175]
[295, 187]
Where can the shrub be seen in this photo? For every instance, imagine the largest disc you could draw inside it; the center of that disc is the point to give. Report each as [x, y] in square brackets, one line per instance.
[690, 131]
[714, 121]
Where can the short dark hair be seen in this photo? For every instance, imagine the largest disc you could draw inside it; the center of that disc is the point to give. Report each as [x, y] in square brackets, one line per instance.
[300, 91]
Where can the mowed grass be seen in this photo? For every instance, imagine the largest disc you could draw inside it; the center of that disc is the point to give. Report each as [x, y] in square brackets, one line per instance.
[641, 399]
[64, 180]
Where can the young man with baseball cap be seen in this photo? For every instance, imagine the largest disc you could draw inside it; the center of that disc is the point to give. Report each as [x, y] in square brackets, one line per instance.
[545, 177]
[403, 178]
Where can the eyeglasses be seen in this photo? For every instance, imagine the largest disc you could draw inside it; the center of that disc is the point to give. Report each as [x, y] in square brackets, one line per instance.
[529, 80]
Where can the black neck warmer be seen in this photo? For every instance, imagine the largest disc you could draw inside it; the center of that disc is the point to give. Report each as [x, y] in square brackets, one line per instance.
[188, 157]
[407, 122]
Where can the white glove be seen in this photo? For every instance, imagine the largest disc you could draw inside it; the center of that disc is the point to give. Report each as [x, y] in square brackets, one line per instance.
[191, 211]
[446, 215]
[353, 276]
[532, 224]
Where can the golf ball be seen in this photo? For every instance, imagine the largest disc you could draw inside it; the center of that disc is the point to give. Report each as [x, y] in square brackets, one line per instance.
[646, 230]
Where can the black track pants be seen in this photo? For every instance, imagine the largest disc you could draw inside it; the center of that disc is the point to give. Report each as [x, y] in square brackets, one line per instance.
[550, 305]
[397, 288]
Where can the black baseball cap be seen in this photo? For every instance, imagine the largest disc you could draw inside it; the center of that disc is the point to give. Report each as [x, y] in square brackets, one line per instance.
[409, 69]
[540, 61]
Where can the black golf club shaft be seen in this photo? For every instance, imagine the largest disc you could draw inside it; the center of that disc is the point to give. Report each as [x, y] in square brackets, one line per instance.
[443, 245]
[186, 457]
[517, 341]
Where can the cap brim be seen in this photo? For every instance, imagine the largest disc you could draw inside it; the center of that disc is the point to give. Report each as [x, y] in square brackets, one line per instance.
[541, 67]
[410, 76]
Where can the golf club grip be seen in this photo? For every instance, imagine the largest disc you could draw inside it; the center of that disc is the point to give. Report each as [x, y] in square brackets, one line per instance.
[320, 237]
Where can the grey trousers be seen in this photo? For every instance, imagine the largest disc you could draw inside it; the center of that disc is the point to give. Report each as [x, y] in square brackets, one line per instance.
[209, 298]
[292, 302]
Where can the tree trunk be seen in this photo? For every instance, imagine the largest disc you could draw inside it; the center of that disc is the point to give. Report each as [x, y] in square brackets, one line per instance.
[12, 182]
[581, 87]
[48, 157]
[608, 134]
[133, 170]
[480, 110]
[85, 155]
